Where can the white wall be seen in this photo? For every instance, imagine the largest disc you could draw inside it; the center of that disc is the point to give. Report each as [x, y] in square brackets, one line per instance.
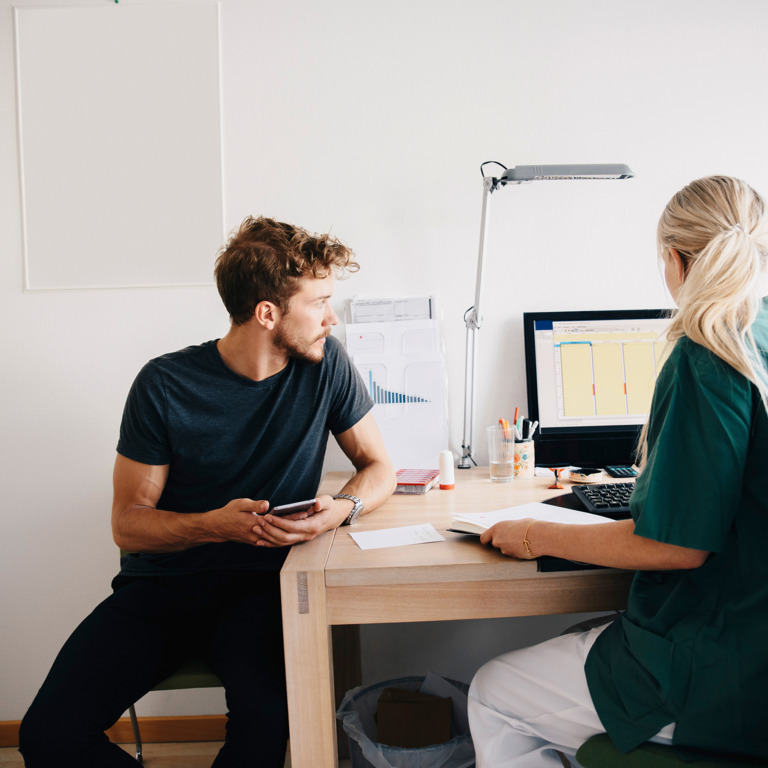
[371, 119]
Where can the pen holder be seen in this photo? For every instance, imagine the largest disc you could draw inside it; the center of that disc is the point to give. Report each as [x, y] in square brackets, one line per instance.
[525, 458]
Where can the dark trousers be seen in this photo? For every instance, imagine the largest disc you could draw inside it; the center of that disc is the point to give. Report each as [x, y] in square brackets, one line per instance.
[138, 636]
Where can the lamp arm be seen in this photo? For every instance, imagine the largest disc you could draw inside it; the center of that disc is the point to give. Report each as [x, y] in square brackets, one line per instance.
[473, 321]
[473, 317]
[467, 458]
[489, 186]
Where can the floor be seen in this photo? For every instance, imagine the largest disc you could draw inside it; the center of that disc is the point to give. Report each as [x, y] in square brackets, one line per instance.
[198, 754]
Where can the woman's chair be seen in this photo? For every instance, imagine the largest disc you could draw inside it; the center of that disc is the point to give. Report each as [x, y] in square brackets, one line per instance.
[194, 673]
[599, 752]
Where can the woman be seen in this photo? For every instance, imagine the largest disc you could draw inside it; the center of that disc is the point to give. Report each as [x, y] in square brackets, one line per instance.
[686, 663]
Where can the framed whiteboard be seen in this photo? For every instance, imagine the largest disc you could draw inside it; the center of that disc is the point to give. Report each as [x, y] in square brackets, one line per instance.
[120, 137]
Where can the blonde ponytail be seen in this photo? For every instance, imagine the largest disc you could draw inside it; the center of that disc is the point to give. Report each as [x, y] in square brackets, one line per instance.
[719, 226]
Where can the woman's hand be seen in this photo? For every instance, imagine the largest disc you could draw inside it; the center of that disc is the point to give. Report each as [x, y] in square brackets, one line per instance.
[510, 537]
[613, 544]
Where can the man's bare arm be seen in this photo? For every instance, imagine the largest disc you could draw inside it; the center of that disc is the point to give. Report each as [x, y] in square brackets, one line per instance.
[373, 482]
[138, 526]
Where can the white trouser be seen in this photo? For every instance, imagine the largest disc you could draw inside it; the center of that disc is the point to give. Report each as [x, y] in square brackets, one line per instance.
[527, 705]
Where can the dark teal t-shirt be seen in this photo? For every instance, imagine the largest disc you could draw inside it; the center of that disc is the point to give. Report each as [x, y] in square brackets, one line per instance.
[691, 647]
[225, 437]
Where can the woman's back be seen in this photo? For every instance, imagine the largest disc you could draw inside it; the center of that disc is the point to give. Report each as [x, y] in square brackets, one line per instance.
[690, 647]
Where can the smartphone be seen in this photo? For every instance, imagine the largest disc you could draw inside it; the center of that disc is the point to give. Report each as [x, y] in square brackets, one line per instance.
[287, 509]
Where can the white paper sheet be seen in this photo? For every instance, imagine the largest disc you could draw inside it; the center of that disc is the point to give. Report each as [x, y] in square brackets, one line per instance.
[377, 309]
[396, 537]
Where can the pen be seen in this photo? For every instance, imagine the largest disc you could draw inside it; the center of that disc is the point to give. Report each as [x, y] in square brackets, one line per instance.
[532, 430]
[517, 413]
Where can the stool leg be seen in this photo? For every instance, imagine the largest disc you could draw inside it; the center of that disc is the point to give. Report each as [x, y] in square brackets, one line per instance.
[136, 732]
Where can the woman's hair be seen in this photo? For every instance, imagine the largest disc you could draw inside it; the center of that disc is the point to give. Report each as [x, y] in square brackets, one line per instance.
[265, 259]
[719, 226]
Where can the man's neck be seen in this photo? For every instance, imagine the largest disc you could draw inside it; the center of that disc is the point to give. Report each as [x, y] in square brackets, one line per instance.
[248, 351]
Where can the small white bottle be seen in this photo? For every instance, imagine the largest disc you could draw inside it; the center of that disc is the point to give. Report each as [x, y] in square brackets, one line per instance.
[447, 482]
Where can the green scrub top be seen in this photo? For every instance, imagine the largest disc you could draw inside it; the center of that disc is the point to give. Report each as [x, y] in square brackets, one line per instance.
[692, 646]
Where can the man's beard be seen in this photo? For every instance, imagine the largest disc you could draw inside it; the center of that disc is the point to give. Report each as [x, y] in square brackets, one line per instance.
[298, 348]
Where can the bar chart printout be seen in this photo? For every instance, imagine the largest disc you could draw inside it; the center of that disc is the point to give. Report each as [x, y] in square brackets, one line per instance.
[382, 396]
[410, 408]
[604, 374]
[402, 366]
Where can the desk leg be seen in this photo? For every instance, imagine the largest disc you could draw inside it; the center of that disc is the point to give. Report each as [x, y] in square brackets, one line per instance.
[347, 671]
[308, 663]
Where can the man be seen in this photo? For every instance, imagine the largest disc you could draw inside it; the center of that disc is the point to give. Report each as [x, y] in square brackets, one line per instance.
[213, 436]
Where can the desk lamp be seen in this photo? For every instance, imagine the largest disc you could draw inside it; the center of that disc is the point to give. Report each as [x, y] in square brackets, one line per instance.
[472, 318]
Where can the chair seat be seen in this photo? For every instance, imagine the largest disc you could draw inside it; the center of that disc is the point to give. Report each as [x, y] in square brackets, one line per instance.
[194, 673]
[600, 752]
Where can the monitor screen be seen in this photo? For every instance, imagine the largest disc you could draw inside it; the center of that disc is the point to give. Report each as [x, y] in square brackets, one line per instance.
[590, 378]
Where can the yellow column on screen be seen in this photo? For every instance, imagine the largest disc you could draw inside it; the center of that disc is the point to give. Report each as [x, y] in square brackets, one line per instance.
[578, 394]
[640, 367]
[610, 399]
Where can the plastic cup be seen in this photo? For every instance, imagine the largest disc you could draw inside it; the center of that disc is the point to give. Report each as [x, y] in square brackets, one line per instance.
[501, 454]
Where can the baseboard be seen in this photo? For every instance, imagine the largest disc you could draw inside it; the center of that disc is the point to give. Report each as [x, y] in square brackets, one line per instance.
[157, 729]
[153, 729]
[9, 733]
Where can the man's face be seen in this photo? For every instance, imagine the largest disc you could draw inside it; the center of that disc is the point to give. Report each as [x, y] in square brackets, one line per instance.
[302, 329]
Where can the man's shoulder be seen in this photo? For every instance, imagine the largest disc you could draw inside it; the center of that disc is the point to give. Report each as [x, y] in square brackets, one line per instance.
[186, 353]
[183, 365]
[181, 358]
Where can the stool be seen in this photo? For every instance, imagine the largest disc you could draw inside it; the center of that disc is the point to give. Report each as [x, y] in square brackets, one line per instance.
[599, 752]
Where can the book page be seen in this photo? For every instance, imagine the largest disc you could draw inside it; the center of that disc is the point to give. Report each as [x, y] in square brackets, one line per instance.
[535, 510]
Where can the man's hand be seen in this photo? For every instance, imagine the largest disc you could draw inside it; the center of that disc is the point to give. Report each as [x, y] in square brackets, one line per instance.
[326, 514]
[235, 521]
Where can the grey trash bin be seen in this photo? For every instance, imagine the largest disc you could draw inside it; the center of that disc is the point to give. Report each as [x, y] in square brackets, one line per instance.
[356, 713]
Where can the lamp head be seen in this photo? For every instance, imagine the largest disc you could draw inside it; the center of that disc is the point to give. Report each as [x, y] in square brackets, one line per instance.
[527, 173]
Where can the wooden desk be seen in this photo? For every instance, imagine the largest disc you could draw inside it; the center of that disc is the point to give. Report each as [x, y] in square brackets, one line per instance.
[331, 581]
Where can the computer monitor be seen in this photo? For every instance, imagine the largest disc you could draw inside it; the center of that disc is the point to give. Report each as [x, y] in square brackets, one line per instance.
[590, 378]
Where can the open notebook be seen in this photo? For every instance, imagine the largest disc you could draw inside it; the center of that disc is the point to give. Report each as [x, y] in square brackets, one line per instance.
[477, 522]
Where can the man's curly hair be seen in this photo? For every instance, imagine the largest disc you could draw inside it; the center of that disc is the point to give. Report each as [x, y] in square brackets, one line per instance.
[265, 259]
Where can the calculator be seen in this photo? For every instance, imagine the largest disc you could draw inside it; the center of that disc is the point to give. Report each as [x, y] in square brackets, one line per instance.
[621, 471]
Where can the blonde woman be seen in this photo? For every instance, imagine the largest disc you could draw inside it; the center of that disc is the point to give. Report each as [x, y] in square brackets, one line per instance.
[686, 663]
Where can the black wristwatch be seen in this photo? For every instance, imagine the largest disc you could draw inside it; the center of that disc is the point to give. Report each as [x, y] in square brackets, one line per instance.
[356, 510]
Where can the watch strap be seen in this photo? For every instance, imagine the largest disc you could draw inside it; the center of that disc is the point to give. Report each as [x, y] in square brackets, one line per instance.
[356, 509]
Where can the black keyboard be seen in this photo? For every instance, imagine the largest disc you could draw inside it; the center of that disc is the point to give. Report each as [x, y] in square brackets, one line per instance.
[608, 499]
